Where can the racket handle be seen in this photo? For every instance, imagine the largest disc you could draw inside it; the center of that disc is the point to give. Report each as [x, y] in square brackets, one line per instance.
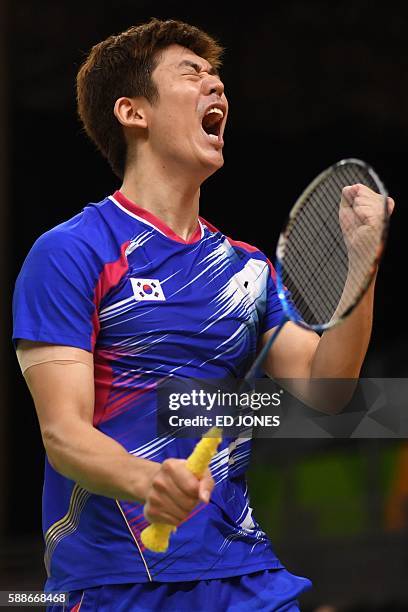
[205, 449]
[156, 536]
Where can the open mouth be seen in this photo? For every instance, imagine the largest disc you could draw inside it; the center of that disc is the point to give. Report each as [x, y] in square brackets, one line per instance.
[212, 122]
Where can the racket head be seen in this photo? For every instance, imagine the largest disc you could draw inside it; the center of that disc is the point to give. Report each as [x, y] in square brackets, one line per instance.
[346, 172]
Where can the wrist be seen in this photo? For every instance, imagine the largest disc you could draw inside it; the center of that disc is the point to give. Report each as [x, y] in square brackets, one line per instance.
[142, 473]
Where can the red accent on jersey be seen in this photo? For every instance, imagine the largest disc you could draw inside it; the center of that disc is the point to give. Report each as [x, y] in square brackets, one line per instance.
[77, 606]
[95, 326]
[103, 374]
[273, 271]
[124, 402]
[251, 249]
[210, 226]
[243, 245]
[142, 213]
[109, 277]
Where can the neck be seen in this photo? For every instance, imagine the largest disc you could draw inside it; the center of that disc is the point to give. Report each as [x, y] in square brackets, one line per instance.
[168, 193]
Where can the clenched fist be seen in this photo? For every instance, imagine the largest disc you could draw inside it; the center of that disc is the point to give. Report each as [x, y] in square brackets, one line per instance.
[174, 492]
[361, 218]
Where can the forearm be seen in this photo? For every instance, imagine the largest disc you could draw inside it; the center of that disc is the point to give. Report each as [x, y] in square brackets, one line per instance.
[341, 351]
[97, 462]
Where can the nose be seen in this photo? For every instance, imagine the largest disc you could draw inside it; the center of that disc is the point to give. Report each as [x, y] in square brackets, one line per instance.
[213, 85]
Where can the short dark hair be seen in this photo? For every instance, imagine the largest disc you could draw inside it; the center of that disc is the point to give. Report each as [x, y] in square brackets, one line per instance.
[122, 65]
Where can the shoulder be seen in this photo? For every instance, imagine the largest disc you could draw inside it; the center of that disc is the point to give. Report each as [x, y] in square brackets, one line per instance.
[85, 237]
[244, 250]
[72, 255]
[235, 244]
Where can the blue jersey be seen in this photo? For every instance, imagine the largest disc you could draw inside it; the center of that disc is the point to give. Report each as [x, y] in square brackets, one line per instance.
[116, 281]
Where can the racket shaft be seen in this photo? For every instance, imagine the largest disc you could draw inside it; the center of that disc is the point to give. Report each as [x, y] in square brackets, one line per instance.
[256, 366]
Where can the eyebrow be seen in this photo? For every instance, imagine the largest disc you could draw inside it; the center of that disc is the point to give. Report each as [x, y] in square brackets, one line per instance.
[197, 67]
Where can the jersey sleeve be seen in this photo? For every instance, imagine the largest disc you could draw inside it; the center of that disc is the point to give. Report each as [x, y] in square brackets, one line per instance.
[53, 299]
[273, 310]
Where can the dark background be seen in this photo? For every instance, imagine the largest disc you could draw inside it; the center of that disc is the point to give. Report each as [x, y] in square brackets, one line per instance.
[309, 82]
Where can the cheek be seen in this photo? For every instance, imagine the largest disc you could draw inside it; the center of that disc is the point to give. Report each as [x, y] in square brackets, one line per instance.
[165, 127]
[173, 128]
[177, 109]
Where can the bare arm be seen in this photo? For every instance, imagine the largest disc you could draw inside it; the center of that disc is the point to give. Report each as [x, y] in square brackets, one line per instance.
[341, 350]
[63, 394]
[304, 358]
[338, 353]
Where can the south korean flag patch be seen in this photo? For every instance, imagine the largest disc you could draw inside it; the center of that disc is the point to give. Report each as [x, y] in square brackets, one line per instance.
[147, 289]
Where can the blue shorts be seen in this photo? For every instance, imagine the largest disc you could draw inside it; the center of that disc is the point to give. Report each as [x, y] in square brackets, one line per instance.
[268, 590]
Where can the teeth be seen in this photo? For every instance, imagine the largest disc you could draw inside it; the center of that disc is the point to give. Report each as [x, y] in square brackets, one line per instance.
[215, 110]
[213, 137]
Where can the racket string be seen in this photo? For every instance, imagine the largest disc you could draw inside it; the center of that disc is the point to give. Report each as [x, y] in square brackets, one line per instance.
[324, 295]
[322, 279]
[313, 266]
[327, 295]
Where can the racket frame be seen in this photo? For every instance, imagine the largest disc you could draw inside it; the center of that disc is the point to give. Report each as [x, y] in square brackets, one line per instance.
[290, 312]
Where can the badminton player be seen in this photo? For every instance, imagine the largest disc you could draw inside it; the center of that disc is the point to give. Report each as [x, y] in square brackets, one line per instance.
[134, 289]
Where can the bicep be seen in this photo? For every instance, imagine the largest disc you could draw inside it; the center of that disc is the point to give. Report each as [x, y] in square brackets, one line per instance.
[291, 353]
[61, 382]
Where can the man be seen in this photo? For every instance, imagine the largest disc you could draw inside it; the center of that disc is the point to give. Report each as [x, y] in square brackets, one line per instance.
[134, 290]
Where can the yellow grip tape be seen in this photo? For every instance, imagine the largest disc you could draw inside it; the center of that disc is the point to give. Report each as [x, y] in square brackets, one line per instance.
[156, 536]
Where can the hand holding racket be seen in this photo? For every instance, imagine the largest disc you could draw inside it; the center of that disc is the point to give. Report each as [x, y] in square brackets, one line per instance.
[156, 536]
[327, 254]
[361, 218]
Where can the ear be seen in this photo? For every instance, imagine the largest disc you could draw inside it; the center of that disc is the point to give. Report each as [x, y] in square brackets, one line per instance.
[130, 112]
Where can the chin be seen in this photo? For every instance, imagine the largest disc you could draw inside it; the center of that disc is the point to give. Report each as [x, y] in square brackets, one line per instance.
[212, 163]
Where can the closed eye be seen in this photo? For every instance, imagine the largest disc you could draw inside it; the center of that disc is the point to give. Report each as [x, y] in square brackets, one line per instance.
[196, 69]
